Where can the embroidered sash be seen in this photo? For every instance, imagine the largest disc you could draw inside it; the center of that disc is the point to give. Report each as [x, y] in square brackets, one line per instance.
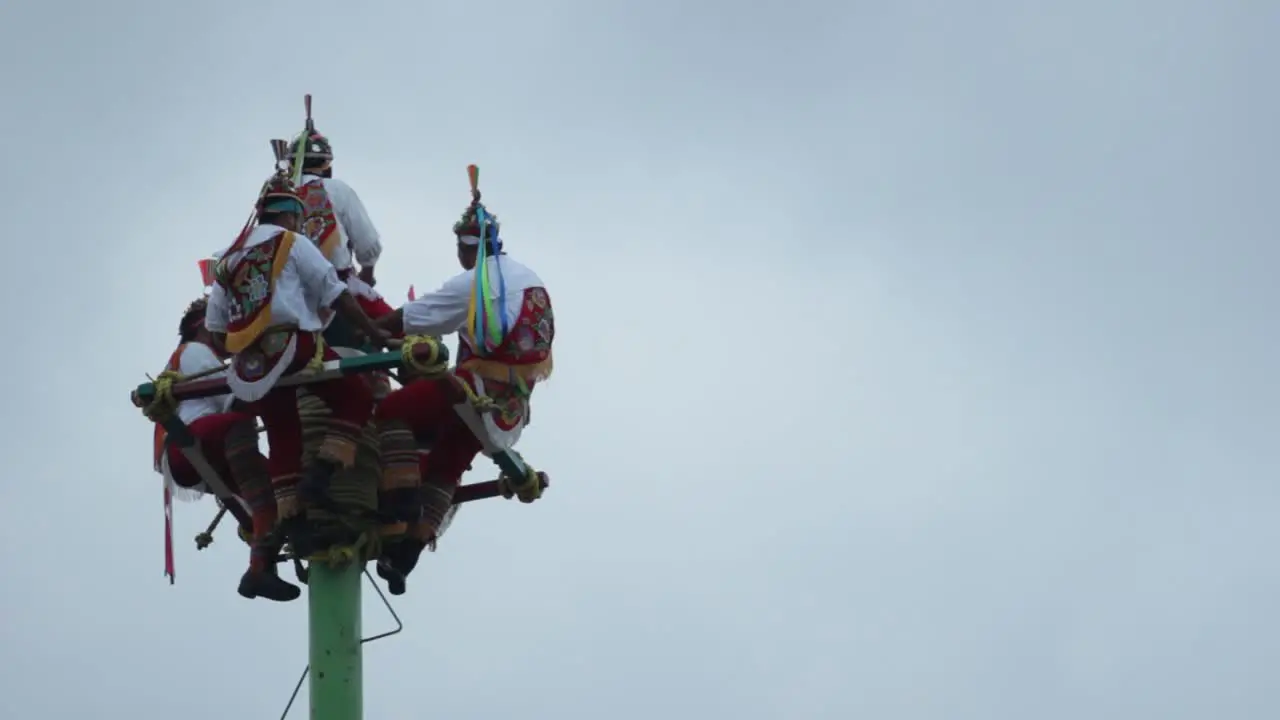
[524, 356]
[249, 285]
[508, 374]
[319, 221]
[257, 369]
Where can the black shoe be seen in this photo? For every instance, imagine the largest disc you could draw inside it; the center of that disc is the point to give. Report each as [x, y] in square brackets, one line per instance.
[302, 572]
[407, 559]
[267, 584]
[395, 580]
[397, 562]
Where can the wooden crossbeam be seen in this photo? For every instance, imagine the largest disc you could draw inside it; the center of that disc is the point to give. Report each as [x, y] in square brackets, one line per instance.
[483, 491]
[217, 385]
[508, 461]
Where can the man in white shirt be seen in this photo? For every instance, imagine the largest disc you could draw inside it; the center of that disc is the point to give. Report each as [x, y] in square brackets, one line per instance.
[503, 364]
[228, 441]
[335, 218]
[274, 292]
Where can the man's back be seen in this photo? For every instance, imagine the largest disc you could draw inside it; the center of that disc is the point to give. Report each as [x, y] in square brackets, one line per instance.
[520, 338]
[356, 232]
[515, 275]
[305, 288]
[446, 310]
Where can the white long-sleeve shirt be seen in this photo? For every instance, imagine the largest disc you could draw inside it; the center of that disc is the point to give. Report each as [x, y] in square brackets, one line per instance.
[197, 358]
[355, 230]
[445, 310]
[303, 293]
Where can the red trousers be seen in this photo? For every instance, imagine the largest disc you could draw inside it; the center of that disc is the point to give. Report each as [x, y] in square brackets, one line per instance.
[211, 432]
[348, 399]
[427, 407]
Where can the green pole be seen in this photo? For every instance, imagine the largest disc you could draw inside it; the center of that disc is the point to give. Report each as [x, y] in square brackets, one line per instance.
[337, 664]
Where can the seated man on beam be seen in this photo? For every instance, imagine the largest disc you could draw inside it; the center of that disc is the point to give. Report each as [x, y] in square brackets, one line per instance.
[335, 218]
[272, 292]
[504, 350]
[228, 441]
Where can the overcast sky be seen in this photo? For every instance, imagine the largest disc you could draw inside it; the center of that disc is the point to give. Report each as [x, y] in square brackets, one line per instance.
[915, 360]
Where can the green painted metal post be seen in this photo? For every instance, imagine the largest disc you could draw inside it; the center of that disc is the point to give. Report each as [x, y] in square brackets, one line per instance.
[337, 662]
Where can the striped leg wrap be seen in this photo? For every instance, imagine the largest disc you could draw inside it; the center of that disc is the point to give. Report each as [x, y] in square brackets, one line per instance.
[437, 499]
[249, 471]
[354, 488]
[285, 489]
[393, 530]
[398, 489]
[262, 505]
[247, 464]
[339, 443]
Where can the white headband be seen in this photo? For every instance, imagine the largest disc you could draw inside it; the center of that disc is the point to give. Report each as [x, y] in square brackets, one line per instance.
[473, 241]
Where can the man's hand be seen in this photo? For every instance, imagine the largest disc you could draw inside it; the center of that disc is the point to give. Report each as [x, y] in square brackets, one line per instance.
[366, 274]
[380, 340]
[374, 335]
[393, 321]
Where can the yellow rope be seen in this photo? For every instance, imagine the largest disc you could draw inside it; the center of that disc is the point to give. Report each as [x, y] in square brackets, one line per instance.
[316, 363]
[163, 404]
[433, 367]
[482, 403]
[366, 547]
[528, 489]
[436, 367]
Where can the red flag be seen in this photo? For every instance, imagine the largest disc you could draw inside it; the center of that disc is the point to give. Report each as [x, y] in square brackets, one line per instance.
[411, 293]
[168, 533]
[206, 271]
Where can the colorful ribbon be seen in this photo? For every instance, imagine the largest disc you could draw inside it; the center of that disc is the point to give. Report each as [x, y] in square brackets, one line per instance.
[487, 325]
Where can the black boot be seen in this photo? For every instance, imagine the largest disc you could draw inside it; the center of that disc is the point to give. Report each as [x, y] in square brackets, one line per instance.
[266, 583]
[387, 571]
[397, 561]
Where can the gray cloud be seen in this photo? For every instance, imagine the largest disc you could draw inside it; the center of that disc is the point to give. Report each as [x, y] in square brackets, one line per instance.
[915, 361]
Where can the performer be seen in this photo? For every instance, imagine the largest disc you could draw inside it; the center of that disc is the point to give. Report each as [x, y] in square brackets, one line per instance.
[336, 219]
[504, 350]
[272, 293]
[228, 440]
